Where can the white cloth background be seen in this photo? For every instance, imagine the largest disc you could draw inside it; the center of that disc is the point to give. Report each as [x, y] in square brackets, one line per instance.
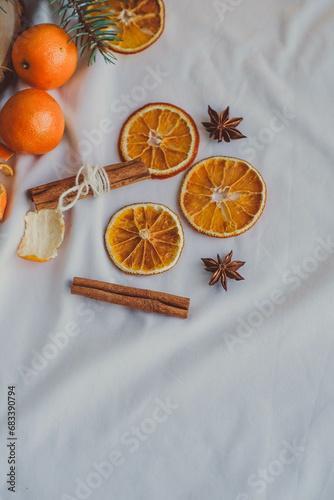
[245, 384]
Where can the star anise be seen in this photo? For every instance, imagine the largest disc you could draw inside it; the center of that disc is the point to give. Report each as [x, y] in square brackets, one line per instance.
[223, 269]
[222, 127]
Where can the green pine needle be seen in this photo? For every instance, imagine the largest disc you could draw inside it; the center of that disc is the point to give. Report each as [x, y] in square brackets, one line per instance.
[90, 25]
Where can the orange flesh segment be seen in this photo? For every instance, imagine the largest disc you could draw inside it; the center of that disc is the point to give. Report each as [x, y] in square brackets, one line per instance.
[6, 169]
[144, 238]
[223, 196]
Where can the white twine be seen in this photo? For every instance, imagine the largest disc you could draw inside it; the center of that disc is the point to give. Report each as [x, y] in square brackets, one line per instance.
[93, 177]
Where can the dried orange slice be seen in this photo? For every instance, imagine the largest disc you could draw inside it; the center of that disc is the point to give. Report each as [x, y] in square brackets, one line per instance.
[144, 238]
[3, 200]
[6, 169]
[140, 23]
[5, 152]
[222, 196]
[44, 233]
[164, 136]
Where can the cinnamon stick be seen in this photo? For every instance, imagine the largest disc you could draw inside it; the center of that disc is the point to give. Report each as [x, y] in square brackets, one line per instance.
[119, 174]
[137, 298]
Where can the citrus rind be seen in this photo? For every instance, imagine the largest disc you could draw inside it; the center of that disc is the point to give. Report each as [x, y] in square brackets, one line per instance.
[3, 200]
[116, 221]
[5, 152]
[130, 17]
[43, 235]
[184, 117]
[206, 193]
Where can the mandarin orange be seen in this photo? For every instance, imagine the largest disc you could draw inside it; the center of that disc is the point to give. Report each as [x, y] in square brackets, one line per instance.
[32, 122]
[43, 57]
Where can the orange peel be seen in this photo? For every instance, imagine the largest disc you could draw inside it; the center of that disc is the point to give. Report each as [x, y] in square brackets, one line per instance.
[5, 152]
[3, 200]
[43, 235]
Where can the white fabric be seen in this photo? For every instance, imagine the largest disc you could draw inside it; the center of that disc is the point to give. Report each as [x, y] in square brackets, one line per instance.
[236, 402]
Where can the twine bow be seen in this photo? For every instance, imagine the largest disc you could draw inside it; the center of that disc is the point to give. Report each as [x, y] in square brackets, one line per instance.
[93, 177]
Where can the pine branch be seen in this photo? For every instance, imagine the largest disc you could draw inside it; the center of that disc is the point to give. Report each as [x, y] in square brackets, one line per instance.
[91, 26]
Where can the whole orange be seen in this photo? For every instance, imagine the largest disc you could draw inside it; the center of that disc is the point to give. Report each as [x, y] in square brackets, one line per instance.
[32, 122]
[43, 58]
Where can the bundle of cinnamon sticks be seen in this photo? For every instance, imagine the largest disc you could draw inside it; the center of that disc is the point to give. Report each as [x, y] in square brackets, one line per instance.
[137, 298]
[119, 174]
